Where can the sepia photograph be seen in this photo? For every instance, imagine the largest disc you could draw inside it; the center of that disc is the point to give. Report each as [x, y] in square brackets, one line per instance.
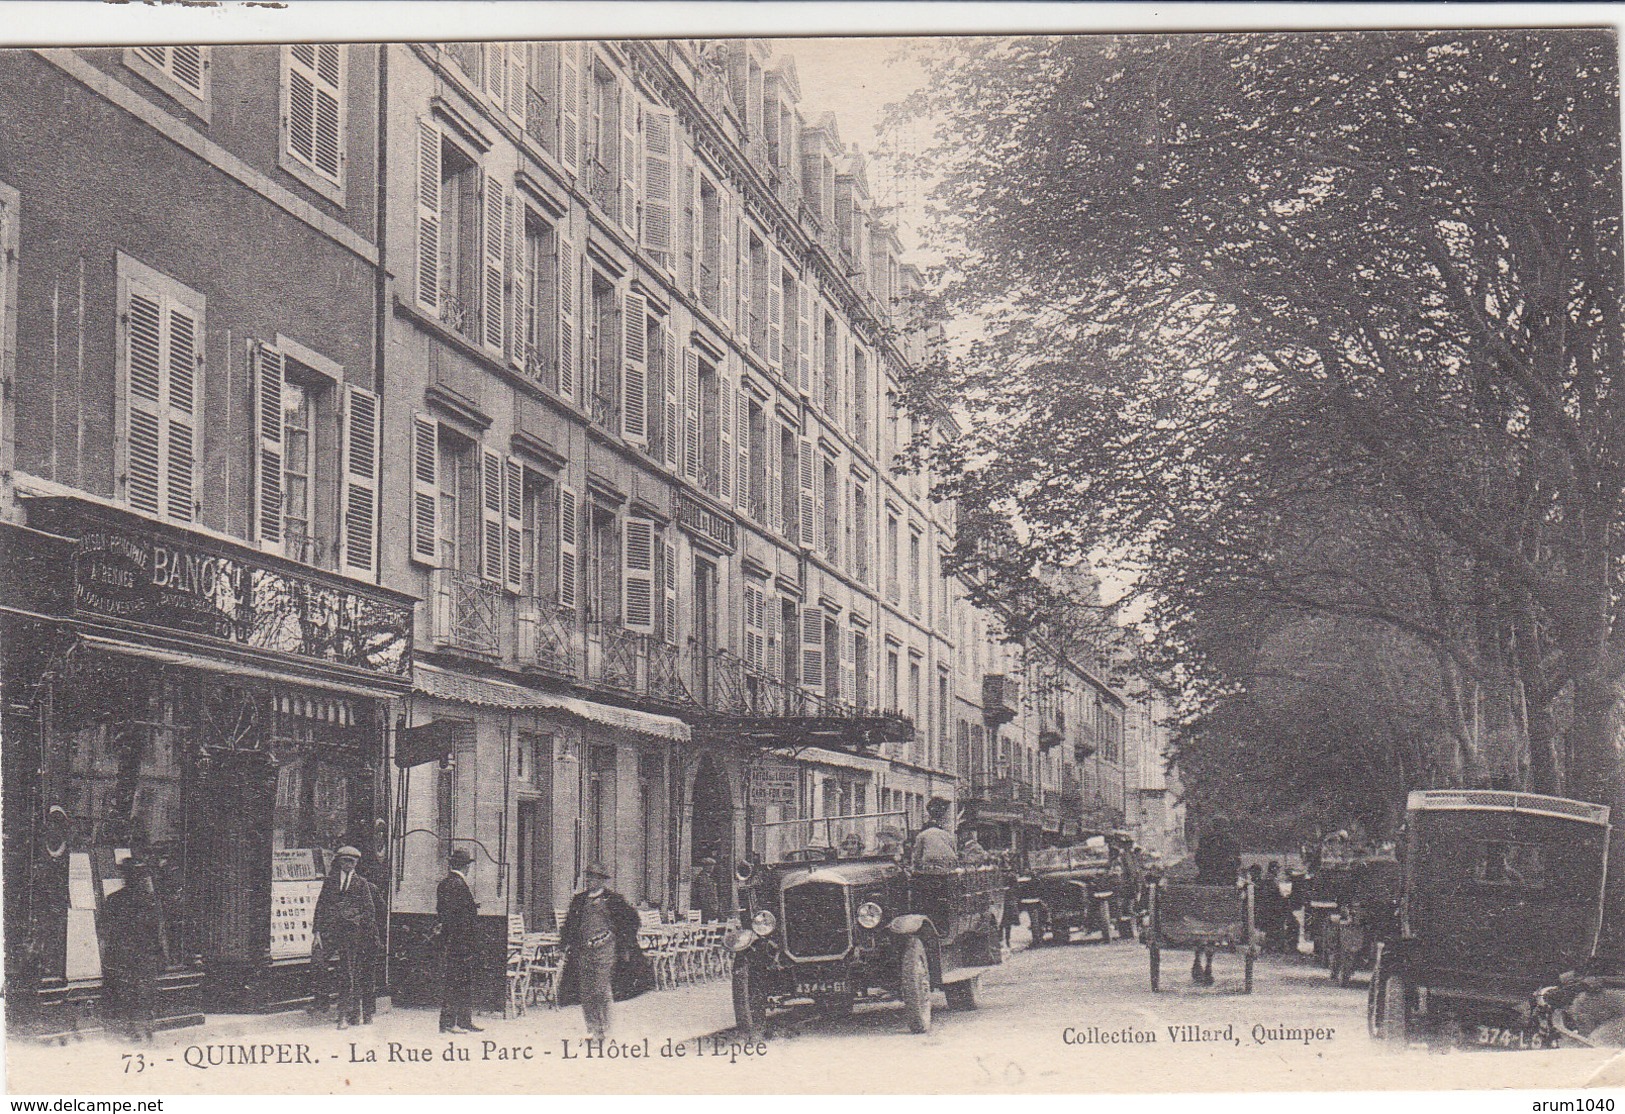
[693, 553]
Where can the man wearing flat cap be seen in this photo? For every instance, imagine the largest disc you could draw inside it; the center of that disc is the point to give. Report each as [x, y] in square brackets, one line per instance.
[934, 843]
[346, 936]
[458, 915]
[602, 959]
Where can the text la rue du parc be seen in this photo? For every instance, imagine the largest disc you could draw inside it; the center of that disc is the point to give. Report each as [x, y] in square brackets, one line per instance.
[728, 1049]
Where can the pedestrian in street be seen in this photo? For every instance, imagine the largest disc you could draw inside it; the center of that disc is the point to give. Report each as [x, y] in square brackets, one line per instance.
[133, 949]
[346, 936]
[934, 843]
[603, 962]
[889, 842]
[703, 894]
[1218, 863]
[458, 915]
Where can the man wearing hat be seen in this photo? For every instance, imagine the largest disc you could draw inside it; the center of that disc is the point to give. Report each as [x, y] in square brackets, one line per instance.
[703, 895]
[934, 843]
[133, 952]
[346, 935]
[459, 914]
[602, 959]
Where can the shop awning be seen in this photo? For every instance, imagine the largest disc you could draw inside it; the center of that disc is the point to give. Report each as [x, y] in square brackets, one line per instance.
[483, 692]
[230, 666]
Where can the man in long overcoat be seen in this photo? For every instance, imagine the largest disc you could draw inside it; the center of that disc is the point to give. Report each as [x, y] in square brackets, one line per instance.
[133, 952]
[458, 915]
[602, 959]
[346, 934]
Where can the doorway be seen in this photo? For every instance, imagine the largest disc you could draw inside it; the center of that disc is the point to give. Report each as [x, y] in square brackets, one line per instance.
[712, 830]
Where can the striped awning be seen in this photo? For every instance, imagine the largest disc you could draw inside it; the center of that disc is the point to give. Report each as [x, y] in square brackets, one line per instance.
[485, 692]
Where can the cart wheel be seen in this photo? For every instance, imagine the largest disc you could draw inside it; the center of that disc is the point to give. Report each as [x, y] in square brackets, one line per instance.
[1247, 974]
[1156, 967]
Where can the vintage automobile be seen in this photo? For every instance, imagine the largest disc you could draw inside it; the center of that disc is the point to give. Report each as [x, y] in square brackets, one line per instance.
[1329, 889]
[1067, 889]
[1369, 914]
[833, 914]
[1502, 894]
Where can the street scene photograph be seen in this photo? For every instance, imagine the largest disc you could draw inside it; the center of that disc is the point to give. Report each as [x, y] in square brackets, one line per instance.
[1070, 561]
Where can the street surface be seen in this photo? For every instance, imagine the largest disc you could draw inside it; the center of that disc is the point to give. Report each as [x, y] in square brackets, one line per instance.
[1296, 1032]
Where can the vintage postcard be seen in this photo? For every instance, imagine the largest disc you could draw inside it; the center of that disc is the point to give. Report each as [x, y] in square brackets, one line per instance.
[721, 559]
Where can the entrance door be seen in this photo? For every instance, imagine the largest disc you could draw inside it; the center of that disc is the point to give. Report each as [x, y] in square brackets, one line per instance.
[533, 878]
[712, 830]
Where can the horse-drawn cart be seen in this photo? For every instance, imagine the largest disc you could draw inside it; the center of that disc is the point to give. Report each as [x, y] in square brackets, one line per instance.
[1201, 918]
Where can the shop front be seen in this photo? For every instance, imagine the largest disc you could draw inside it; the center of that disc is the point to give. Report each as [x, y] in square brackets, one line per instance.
[214, 711]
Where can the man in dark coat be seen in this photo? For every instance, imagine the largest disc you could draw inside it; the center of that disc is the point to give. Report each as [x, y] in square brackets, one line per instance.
[1218, 863]
[346, 935]
[703, 895]
[458, 915]
[602, 959]
[133, 951]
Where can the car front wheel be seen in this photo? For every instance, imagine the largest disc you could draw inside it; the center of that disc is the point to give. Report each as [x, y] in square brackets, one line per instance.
[915, 972]
[750, 1002]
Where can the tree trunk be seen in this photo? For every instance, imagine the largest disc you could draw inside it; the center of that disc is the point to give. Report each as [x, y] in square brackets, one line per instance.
[1598, 731]
[1543, 753]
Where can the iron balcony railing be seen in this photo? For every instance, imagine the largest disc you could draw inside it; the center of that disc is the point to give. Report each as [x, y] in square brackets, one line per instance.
[467, 611]
[539, 118]
[547, 637]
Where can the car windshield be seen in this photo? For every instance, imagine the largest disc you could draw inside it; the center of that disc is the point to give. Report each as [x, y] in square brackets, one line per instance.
[1083, 856]
[832, 837]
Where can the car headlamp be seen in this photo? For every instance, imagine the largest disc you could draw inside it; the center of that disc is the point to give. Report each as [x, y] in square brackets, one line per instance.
[869, 915]
[764, 922]
[739, 939]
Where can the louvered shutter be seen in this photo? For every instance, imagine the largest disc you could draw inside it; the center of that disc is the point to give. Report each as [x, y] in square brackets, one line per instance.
[748, 278]
[804, 338]
[775, 307]
[428, 261]
[144, 422]
[493, 541]
[691, 413]
[315, 86]
[268, 371]
[659, 177]
[513, 521]
[183, 381]
[362, 437]
[694, 236]
[774, 666]
[809, 538]
[755, 636]
[849, 672]
[812, 647]
[566, 295]
[674, 399]
[727, 261]
[518, 80]
[425, 489]
[495, 257]
[671, 593]
[742, 438]
[638, 576]
[629, 159]
[725, 424]
[521, 318]
[569, 100]
[635, 368]
[494, 71]
[775, 477]
[567, 555]
[186, 66]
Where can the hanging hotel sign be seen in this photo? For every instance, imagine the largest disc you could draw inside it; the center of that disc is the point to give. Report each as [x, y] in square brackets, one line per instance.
[775, 783]
[697, 518]
[152, 580]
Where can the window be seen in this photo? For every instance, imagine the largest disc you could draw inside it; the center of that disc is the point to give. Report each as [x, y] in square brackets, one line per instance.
[914, 571]
[893, 697]
[538, 317]
[710, 427]
[603, 351]
[710, 242]
[180, 71]
[860, 531]
[313, 115]
[943, 757]
[603, 566]
[459, 240]
[860, 396]
[162, 386]
[1503, 863]
[863, 697]
[831, 365]
[916, 707]
[760, 278]
[757, 478]
[789, 517]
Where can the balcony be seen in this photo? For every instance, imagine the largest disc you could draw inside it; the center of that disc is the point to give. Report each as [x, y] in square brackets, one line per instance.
[465, 612]
[539, 116]
[546, 638]
[602, 186]
[998, 784]
[1000, 698]
[635, 664]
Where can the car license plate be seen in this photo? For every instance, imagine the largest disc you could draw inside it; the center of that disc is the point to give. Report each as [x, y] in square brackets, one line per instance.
[822, 986]
[1497, 1037]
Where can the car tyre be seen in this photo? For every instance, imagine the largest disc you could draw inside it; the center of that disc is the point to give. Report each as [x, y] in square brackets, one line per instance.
[1155, 956]
[1105, 922]
[962, 994]
[750, 1002]
[1389, 1011]
[914, 970]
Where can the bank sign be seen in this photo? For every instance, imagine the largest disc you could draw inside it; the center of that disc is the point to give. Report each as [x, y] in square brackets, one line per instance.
[151, 581]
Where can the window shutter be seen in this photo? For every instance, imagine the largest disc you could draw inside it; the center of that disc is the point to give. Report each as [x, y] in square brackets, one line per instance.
[727, 261]
[775, 307]
[568, 524]
[567, 315]
[774, 666]
[812, 647]
[186, 66]
[143, 436]
[494, 71]
[804, 338]
[496, 245]
[691, 414]
[429, 217]
[513, 517]
[674, 400]
[775, 476]
[362, 436]
[635, 368]
[268, 369]
[849, 671]
[809, 539]
[659, 177]
[671, 593]
[521, 319]
[725, 423]
[570, 106]
[638, 575]
[518, 80]
[742, 438]
[493, 541]
[425, 489]
[629, 159]
[181, 457]
[694, 237]
[755, 622]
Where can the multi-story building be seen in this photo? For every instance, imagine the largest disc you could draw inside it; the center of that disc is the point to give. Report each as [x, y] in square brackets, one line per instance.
[199, 664]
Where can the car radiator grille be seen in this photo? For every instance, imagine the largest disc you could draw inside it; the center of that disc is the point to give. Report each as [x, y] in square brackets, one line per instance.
[815, 920]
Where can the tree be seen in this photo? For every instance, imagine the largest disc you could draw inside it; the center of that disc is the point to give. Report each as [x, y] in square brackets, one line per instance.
[1238, 293]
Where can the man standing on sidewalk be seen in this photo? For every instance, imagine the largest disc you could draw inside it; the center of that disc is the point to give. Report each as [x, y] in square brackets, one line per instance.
[133, 952]
[346, 928]
[602, 959]
[459, 918]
